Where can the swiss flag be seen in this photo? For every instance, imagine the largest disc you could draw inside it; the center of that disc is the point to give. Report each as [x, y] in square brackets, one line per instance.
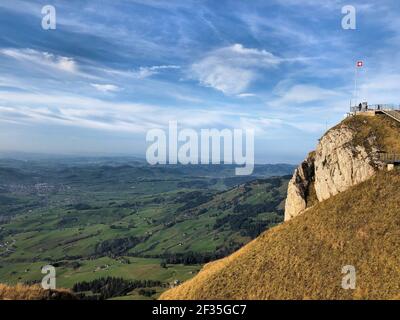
[360, 64]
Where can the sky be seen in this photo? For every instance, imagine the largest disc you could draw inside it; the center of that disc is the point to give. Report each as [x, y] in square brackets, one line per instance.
[114, 69]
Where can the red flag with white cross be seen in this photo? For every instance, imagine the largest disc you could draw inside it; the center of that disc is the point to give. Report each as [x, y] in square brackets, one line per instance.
[360, 64]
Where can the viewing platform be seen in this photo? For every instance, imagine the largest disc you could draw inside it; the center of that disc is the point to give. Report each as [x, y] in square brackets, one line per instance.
[391, 159]
[391, 110]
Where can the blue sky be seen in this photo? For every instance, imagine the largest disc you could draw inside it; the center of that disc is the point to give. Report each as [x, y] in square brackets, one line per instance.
[112, 70]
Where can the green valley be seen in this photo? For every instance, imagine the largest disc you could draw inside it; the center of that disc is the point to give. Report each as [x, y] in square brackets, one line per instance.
[109, 218]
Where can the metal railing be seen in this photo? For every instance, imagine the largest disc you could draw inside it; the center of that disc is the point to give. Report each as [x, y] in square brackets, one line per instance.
[389, 157]
[394, 114]
[374, 107]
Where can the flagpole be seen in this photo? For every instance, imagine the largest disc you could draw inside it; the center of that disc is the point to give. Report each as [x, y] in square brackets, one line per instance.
[355, 84]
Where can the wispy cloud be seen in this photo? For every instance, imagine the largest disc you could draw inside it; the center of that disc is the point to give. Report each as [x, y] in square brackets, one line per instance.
[94, 113]
[106, 87]
[145, 72]
[232, 69]
[382, 88]
[44, 59]
[302, 93]
[246, 95]
[78, 111]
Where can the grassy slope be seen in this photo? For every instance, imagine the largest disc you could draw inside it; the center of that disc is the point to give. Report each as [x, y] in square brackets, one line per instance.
[303, 259]
[21, 292]
[381, 129]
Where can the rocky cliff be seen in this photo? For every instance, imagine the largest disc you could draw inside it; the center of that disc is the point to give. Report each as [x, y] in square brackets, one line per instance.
[299, 187]
[345, 156]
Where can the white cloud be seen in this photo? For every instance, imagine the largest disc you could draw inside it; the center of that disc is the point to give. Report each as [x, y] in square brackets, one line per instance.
[246, 95]
[306, 2]
[145, 72]
[46, 59]
[301, 93]
[186, 98]
[19, 6]
[73, 110]
[105, 87]
[63, 63]
[232, 69]
[310, 127]
[382, 88]
[70, 110]
[260, 125]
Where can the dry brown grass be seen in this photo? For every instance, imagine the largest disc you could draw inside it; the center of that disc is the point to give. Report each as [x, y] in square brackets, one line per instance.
[384, 130]
[23, 292]
[303, 258]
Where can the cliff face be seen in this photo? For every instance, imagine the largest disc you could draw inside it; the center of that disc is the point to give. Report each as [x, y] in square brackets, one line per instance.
[340, 161]
[299, 187]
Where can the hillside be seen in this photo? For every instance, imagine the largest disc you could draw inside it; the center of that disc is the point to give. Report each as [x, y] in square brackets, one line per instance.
[341, 209]
[22, 292]
[303, 258]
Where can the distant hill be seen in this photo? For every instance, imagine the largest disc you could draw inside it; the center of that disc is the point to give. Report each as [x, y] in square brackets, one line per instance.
[117, 170]
[11, 175]
[130, 165]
